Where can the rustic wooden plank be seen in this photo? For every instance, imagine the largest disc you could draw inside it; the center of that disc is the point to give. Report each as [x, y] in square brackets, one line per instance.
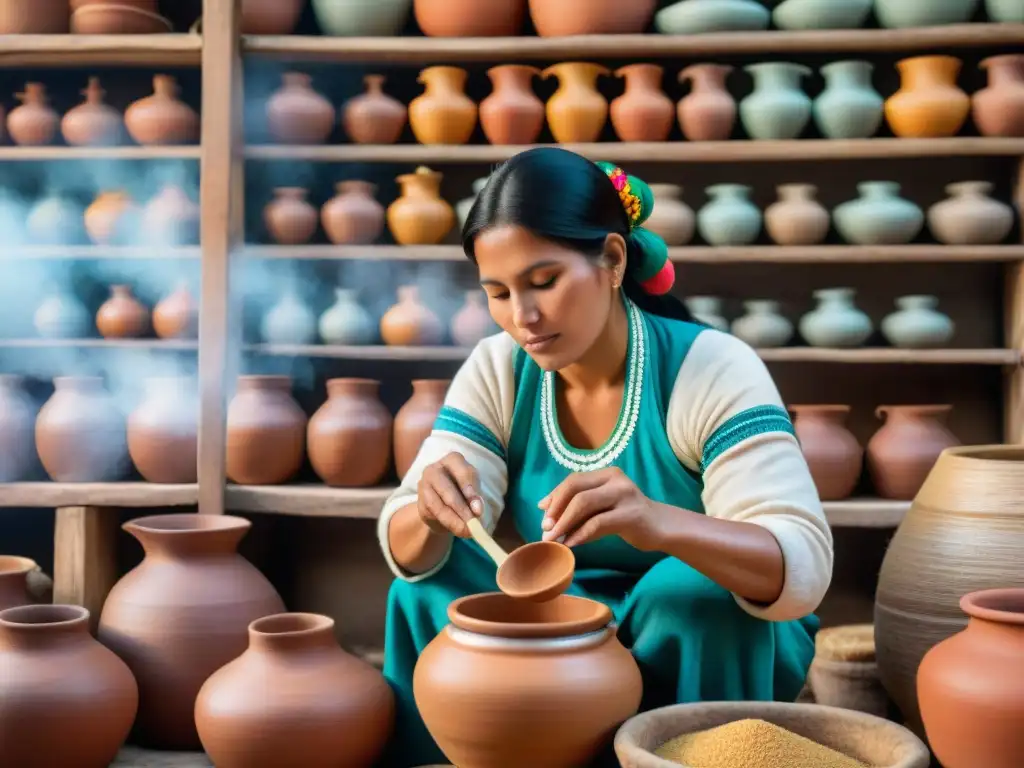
[85, 557]
[55, 153]
[1013, 406]
[91, 252]
[154, 345]
[56, 495]
[164, 50]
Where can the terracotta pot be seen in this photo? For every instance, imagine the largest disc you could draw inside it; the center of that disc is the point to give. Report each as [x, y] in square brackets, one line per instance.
[163, 431]
[181, 615]
[162, 119]
[833, 454]
[92, 123]
[342, 712]
[266, 432]
[349, 437]
[559, 18]
[176, 316]
[373, 117]
[270, 17]
[443, 114]
[902, 453]
[290, 218]
[797, 218]
[512, 114]
[473, 322]
[577, 112]
[117, 19]
[967, 678]
[929, 104]
[17, 420]
[112, 219]
[420, 216]
[409, 323]
[297, 114]
[415, 420]
[963, 533]
[353, 216]
[34, 123]
[970, 216]
[533, 652]
[998, 108]
[14, 573]
[643, 112]
[122, 316]
[470, 18]
[671, 218]
[171, 218]
[46, 17]
[708, 111]
[64, 698]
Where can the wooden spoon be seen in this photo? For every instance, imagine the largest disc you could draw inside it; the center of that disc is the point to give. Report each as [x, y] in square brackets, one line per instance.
[539, 571]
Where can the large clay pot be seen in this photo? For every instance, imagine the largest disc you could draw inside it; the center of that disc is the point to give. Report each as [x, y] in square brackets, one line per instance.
[34, 123]
[708, 111]
[470, 18]
[359, 18]
[353, 216]
[577, 112]
[928, 104]
[777, 109]
[420, 216]
[112, 218]
[536, 654]
[373, 117]
[902, 453]
[349, 437]
[14, 573]
[473, 322]
[171, 218]
[409, 322]
[17, 421]
[162, 118]
[671, 218]
[513, 113]
[290, 218]
[176, 316]
[561, 18]
[266, 432]
[415, 420]
[181, 615]
[297, 114]
[964, 680]
[964, 532]
[80, 433]
[443, 113]
[643, 112]
[163, 431]
[64, 698]
[45, 17]
[294, 697]
[270, 17]
[92, 123]
[998, 108]
[122, 316]
[833, 454]
[797, 218]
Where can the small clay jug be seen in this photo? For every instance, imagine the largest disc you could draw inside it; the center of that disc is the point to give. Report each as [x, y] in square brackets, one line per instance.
[901, 454]
[80, 433]
[470, 18]
[112, 218]
[473, 322]
[763, 326]
[917, 324]
[998, 108]
[353, 216]
[122, 316]
[409, 323]
[577, 112]
[849, 107]
[836, 321]
[176, 316]
[562, 18]
[341, 705]
[64, 698]
[513, 113]
[373, 117]
[797, 218]
[708, 111]
[62, 316]
[415, 420]
[171, 218]
[289, 321]
[270, 17]
[777, 109]
[671, 218]
[970, 216]
[163, 431]
[182, 614]
[290, 218]
[349, 437]
[46, 17]
[928, 104]
[266, 432]
[162, 118]
[14, 573]
[833, 454]
[443, 114]
[729, 218]
[420, 216]
[34, 123]
[643, 112]
[297, 114]
[17, 421]
[346, 322]
[92, 123]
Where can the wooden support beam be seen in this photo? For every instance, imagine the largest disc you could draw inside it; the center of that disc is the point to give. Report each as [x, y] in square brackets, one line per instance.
[1013, 411]
[85, 557]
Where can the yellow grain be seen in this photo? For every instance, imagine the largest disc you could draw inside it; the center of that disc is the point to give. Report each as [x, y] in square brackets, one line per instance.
[852, 642]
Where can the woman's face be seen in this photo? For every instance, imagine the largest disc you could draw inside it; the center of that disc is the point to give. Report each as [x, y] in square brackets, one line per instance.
[552, 300]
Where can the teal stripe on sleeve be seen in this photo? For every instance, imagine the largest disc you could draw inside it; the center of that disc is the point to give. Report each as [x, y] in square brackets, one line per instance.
[752, 422]
[461, 423]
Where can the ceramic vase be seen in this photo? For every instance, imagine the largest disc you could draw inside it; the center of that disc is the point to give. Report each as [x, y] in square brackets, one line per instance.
[14, 571]
[470, 18]
[409, 323]
[998, 108]
[777, 109]
[47, 17]
[671, 218]
[729, 218]
[122, 316]
[33, 123]
[901, 454]
[707, 310]
[836, 321]
[17, 422]
[1005, 11]
[290, 218]
[878, 216]
[346, 322]
[763, 326]
[176, 316]
[270, 17]
[821, 14]
[56, 220]
[92, 123]
[290, 321]
[62, 316]
[917, 324]
[473, 322]
[464, 206]
[970, 216]
[359, 18]
[420, 216]
[797, 218]
[353, 216]
[577, 112]
[708, 111]
[903, 14]
[349, 437]
[112, 219]
[266, 432]
[696, 17]
[833, 454]
[298, 114]
[171, 218]
[849, 107]
[415, 420]
[443, 114]
[163, 431]
[162, 118]
[562, 18]
[512, 114]
[929, 104]
[643, 112]
[374, 117]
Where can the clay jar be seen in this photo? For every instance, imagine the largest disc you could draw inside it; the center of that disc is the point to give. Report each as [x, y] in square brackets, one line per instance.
[409, 323]
[443, 114]
[64, 698]
[17, 419]
[902, 453]
[176, 316]
[970, 216]
[290, 218]
[533, 653]
[270, 17]
[112, 219]
[833, 454]
[560, 18]
[671, 218]
[998, 108]
[797, 218]
[349, 437]
[296, 114]
[928, 104]
[34, 123]
[353, 216]
[266, 432]
[162, 119]
[470, 18]
[512, 114]
[122, 316]
[171, 218]
[46, 17]
[415, 420]
[163, 431]
[14, 581]
[708, 111]
[373, 117]
[420, 216]
[643, 112]
[473, 322]
[294, 697]
[92, 123]
[577, 112]
[181, 615]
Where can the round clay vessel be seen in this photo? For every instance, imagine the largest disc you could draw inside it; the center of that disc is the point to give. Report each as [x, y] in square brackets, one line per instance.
[92, 123]
[349, 437]
[708, 310]
[533, 652]
[849, 107]
[46, 17]
[878, 216]
[17, 421]
[671, 218]
[833, 454]
[836, 321]
[62, 316]
[763, 326]
[917, 324]
[294, 697]
[560, 18]
[797, 218]
[112, 218]
[970, 216]
[57, 219]
[266, 432]
[409, 323]
[163, 431]
[928, 104]
[290, 321]
[470, 18]
[176, 316]
[902, 453]
[643, 112]
[729, 217]
[346, 322]
[270, 17]
[353, 216]
[34, 123]
[998, 108]
[708, 111]
[359, 18]
[290, 218]
[297, 114]
[373, 117]
[443, 114]
[777, 109]
[182, 614]
[162, 118]
[473, 322]
[420, 216]
[577, 112]
[415, 420]
[14, 573]
[513, 113]
[64, 698]
[171, 218]
[907, 14]
[122, 316]
[979, 671]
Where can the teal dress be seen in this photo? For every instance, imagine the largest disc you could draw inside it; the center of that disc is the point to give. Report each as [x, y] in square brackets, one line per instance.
[690, 638]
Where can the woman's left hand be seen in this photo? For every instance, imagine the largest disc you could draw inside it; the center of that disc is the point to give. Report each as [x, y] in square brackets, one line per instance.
[589, 505]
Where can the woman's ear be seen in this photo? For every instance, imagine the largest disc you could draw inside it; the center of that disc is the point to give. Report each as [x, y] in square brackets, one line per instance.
[615, 257]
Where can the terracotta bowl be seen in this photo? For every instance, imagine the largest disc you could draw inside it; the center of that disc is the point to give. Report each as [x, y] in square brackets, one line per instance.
[115, 19]
[873, 740]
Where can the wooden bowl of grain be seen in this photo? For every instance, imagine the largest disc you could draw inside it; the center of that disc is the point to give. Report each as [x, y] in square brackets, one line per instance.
[747, 735]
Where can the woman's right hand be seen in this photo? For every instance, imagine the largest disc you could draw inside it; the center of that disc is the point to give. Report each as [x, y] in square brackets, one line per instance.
[448, 495]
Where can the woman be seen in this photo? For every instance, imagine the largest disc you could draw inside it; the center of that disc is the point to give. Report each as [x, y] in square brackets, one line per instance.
[657, 447]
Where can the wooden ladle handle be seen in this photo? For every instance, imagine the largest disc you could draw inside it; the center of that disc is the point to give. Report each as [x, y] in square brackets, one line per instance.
[483, 538]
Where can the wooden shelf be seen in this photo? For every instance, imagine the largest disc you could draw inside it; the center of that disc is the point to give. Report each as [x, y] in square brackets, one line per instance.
[424, 50]
[167, 50]
[369, 352]
[52, 495]
[163, 345]
[85, 252]
[52, 153]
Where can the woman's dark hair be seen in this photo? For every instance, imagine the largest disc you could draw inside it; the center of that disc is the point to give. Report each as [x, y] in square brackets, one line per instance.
[567, 199]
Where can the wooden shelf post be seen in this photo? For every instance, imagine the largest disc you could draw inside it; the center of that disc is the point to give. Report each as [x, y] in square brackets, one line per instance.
[1013, 410]
[85, 557]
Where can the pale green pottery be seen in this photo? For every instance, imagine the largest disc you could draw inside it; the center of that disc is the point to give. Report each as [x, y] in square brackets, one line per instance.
[345, 322]
[730, 218]
[821, 14]
[362, 18]
[917, 324]
[693, 17]
[836, 321]
[903, 14]
[1006, 11]
[778, 108]
[849, 107]
[879, 216]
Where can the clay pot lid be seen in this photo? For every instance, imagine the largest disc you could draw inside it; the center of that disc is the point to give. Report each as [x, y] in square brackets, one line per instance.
[853, 642]
[14, 564]
[498, 615]
[1003, 606]
[187, 523]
